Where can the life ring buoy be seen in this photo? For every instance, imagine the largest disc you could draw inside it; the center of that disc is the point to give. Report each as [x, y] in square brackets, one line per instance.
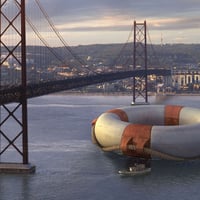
[166, 131]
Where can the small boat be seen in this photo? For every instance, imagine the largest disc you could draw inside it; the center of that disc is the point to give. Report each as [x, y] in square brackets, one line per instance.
[137, 169]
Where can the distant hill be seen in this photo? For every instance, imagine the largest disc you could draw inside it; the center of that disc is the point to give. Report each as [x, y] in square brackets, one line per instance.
[167, 55]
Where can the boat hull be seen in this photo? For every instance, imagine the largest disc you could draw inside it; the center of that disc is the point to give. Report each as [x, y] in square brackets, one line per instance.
[134, 173]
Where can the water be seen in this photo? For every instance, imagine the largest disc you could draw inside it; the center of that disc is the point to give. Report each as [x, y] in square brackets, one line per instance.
[70, 167]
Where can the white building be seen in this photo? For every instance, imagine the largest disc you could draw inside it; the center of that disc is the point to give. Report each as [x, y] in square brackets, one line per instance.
[185, 76]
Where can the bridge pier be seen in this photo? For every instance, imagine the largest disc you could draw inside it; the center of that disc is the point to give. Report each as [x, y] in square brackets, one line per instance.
[16, 168]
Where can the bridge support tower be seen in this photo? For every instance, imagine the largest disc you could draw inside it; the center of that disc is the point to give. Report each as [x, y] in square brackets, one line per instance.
[13, 117]
[140, 95]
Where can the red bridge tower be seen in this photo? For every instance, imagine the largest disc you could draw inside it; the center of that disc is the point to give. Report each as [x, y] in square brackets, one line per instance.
[13, 117]
[140, 95]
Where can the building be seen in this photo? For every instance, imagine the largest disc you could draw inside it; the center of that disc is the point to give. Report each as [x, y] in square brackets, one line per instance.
[186, 78]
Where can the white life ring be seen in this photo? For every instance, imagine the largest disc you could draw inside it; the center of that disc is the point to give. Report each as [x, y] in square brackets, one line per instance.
[168, 130]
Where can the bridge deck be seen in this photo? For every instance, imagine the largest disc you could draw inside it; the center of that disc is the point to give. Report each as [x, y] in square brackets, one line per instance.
[34, 90]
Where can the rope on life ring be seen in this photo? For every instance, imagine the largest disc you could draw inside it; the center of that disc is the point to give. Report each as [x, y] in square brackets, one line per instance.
[148, 151]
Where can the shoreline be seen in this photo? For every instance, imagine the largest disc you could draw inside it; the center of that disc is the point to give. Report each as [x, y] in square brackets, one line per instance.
[121, 94]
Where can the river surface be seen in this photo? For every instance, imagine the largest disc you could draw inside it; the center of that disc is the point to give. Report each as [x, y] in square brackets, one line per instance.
[70, 167]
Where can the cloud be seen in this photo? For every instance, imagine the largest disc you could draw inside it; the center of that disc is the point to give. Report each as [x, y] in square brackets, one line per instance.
[108, 23]
[79, 9]
[82, 11]
[117, 15]
[175, 23]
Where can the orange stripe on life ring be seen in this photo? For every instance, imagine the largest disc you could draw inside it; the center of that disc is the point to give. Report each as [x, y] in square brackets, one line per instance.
[137, 135]
[94, 121]
[122, 115]
[172, 115]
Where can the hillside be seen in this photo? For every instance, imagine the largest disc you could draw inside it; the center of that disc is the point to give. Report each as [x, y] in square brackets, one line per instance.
[167, 55]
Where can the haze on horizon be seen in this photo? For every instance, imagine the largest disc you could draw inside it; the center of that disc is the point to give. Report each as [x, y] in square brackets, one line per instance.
[82, 22]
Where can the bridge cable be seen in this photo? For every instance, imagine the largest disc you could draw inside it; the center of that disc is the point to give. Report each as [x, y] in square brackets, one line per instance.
[41, 38]
[123, 47]
[44, 41]
[153, 49]
[68, 48]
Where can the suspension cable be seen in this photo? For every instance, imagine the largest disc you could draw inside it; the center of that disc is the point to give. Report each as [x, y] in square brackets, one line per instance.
[153, 49]
[67, 47]
[123, 47]
[44, 41]
[46, 44]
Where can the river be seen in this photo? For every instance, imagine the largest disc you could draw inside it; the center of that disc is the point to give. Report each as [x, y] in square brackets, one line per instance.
[70, 167]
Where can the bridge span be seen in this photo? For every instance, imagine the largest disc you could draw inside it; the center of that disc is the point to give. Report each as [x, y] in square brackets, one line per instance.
[13, 94]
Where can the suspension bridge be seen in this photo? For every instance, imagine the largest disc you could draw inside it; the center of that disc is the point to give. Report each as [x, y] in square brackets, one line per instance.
[14, 55]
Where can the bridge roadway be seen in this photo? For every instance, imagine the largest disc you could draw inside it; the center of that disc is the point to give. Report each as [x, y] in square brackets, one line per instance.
[13, 94]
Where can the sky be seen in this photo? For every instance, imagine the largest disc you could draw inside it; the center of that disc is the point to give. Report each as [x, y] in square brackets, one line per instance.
[83, 22]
